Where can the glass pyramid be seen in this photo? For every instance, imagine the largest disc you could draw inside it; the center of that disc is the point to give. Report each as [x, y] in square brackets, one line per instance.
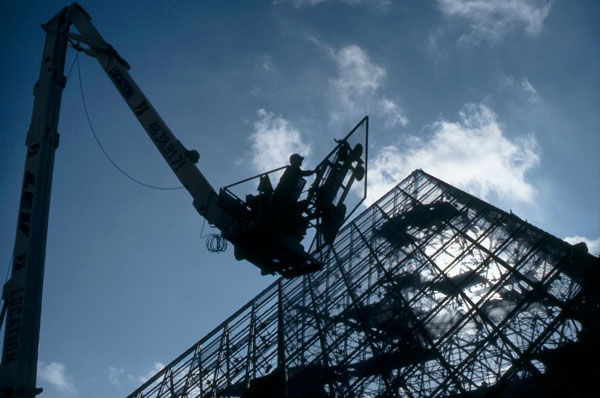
[430, 292]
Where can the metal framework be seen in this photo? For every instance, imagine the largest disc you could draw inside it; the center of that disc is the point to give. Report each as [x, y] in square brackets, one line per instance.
[430, 292]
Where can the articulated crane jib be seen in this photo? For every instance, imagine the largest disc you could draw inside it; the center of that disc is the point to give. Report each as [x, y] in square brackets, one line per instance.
[266, 229]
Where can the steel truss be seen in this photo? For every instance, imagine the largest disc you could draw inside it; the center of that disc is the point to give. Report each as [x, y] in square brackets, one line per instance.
[430, 292]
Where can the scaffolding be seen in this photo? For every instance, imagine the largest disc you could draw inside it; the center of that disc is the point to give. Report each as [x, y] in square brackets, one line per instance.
[430, 292]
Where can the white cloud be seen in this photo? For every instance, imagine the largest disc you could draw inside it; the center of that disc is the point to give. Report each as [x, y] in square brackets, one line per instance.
[356, 90]
[358, 77]
[492, 20]
[522, 89]
[114, 375]
[55, 374]
[528, 87]
[273, 141]
[593, 245]
[117, 375]
[267, 64]
[472, 153]
[393, 113]
[155, 369]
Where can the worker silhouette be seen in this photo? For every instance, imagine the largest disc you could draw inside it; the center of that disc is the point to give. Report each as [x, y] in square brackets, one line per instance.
[291, 182]
[287, 210]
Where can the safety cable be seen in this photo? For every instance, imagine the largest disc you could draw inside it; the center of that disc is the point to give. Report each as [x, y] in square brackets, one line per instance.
[102, 147]
[72, 65]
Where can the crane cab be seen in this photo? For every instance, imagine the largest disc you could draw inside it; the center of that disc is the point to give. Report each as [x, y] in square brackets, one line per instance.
[271, 225]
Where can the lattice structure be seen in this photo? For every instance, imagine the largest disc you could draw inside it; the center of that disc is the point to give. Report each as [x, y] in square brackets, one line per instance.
[430, 292]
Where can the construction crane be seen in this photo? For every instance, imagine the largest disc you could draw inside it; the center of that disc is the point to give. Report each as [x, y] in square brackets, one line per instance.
[266, 229]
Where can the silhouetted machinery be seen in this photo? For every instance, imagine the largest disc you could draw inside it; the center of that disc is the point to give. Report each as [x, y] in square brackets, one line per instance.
[271, 224]
[266, 229]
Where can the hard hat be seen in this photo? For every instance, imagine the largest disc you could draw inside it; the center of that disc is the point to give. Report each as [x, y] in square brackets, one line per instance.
[295, 158]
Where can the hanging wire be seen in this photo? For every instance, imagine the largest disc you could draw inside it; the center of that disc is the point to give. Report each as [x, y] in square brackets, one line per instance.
[72, 65]
[102, 147]
[215, 243]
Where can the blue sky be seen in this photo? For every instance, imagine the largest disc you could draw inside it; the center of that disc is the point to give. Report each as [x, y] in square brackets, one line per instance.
[500, 98]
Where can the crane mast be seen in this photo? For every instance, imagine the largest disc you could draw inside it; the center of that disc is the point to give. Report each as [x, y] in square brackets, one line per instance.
[22, 293]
